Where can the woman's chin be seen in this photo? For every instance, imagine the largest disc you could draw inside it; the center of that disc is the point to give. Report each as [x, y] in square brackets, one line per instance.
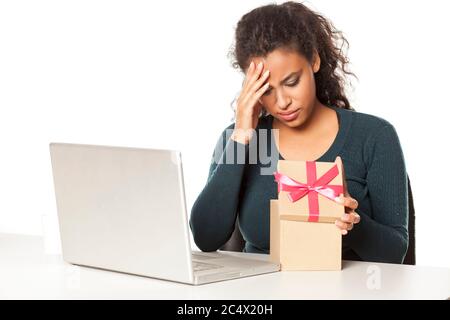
[292, 123]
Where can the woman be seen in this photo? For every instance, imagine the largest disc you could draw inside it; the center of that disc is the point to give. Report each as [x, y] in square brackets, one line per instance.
[294, 83]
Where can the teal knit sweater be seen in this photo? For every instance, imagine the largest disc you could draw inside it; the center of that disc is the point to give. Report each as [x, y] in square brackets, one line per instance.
[240, 187]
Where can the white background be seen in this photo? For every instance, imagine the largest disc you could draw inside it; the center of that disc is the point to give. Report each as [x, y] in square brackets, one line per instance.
[156, 74]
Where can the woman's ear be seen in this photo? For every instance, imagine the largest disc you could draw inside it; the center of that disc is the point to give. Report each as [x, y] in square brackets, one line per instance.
[316, 62]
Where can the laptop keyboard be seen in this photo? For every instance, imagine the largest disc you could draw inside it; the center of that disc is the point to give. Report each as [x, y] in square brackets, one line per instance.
[202, 257]
[200, 266]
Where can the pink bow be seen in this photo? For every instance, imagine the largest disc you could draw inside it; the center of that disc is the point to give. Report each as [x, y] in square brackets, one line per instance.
[313, 187]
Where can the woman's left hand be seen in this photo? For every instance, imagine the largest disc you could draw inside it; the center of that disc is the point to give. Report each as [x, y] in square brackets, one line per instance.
[350, 217]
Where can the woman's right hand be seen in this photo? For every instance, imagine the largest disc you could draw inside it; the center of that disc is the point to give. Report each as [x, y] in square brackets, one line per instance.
[248, 106]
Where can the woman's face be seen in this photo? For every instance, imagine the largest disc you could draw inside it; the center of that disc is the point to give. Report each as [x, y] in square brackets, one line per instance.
[291, 95]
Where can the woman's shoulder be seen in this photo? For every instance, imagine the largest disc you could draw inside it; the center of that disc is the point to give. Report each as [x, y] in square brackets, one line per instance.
[372, 132]
[367, 118]
[366, 124]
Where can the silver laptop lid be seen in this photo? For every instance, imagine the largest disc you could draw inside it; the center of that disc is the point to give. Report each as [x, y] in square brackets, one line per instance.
[122, 209]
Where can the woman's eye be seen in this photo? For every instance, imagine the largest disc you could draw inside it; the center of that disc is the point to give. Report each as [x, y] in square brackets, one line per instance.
[293, 83]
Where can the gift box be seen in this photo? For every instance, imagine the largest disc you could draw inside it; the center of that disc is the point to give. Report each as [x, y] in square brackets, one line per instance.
[303, 235]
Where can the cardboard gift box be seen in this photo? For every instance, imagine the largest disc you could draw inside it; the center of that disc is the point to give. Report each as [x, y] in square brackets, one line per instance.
[303, 235]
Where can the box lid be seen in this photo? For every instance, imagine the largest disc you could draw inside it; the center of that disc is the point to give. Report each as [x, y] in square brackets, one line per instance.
[306, 190]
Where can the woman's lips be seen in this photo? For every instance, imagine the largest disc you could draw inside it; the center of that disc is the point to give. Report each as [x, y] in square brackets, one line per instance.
[290, 116]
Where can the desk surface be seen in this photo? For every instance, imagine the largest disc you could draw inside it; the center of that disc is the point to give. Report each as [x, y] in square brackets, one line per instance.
[26, 272]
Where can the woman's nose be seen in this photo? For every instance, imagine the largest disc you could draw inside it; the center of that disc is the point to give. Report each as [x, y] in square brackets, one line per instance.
[282, 101]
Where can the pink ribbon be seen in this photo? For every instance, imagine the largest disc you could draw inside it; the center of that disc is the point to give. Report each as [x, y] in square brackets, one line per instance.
[312, 188]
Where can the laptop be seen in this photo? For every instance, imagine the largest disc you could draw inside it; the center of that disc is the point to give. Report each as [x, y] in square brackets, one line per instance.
[123, 209]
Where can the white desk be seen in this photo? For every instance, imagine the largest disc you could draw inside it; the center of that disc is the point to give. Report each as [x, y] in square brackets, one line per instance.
[27, 273]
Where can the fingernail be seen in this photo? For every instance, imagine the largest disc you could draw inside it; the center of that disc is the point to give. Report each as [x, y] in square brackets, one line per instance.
[345, 217]
[339, 200]
[344, 232]
[266, 72]
[260, 65]
[252, 64]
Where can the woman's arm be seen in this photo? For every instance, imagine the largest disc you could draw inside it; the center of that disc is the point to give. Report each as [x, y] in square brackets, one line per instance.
[214, 212]
[384, 236]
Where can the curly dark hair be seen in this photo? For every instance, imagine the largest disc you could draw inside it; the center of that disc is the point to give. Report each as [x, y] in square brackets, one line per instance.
[294, 26]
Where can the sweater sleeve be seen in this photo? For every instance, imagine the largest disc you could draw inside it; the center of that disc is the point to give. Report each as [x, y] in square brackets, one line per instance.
[214, 212]
[384, 236]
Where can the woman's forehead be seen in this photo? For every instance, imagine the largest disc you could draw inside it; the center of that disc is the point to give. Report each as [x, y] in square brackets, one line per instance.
[281, 61]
